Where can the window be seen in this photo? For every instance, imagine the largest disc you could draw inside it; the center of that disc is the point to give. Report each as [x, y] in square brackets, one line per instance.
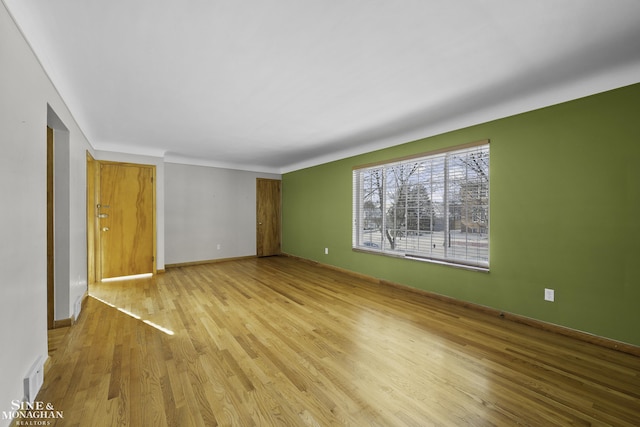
[433, 207]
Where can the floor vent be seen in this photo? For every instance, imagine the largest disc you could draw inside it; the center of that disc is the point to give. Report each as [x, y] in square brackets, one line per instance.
[33, 381]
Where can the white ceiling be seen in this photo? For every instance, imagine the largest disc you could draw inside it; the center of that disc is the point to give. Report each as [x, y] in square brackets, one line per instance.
[277, 85]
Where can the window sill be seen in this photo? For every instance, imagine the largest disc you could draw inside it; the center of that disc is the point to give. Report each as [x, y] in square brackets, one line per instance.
[429, 260]
[448, 263]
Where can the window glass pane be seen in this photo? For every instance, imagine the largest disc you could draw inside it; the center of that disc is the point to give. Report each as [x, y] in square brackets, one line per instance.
[371, 222]
[435, 207]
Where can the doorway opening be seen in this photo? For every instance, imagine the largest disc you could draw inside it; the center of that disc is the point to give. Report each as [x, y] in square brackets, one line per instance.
[58, 222]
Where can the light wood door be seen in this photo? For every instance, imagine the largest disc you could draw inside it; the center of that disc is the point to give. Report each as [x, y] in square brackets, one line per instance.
[268, 217]
[125, 213]
[93, 180]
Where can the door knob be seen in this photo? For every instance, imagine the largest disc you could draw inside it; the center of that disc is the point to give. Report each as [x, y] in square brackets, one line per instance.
[105, 228]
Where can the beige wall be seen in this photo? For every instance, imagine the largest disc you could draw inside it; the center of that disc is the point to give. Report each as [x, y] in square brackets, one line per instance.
[206, 207]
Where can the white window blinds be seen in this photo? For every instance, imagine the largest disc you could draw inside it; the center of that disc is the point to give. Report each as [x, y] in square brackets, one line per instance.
[433, 207]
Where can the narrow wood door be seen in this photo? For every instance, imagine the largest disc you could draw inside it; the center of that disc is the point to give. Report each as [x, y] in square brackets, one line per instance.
[93, 179]
[125, 212]
[268, 217]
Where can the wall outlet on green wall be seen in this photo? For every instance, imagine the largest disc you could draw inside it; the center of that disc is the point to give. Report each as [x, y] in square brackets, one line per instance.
[549, 295]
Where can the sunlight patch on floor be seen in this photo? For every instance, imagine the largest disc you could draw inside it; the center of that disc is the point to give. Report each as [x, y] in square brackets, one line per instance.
[135, 316]
[132, 277]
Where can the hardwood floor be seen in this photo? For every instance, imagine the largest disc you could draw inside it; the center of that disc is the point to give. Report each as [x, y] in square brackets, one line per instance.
[55, 338]
[275, 341]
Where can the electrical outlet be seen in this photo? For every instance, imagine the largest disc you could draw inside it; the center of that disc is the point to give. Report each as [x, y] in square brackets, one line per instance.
[326, 251]
[218, 246]
[549, 295]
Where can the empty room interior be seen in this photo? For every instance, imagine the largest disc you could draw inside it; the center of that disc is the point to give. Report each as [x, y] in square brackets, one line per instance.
[320, 213]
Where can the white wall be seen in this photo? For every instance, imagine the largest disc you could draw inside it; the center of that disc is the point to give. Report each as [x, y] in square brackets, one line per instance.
[25, 93]
[206, 207]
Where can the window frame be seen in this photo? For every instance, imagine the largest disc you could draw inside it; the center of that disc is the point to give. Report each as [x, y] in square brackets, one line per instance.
[387, 202]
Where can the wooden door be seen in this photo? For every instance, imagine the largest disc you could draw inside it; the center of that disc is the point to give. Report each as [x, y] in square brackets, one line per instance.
[268, 217]
[126, 224]
[93, 178]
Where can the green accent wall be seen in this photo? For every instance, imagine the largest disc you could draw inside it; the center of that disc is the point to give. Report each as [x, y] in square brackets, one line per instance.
[565, 214]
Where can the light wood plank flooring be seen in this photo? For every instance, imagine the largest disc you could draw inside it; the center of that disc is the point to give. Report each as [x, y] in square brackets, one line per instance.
[275, 341]
[56, 337]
